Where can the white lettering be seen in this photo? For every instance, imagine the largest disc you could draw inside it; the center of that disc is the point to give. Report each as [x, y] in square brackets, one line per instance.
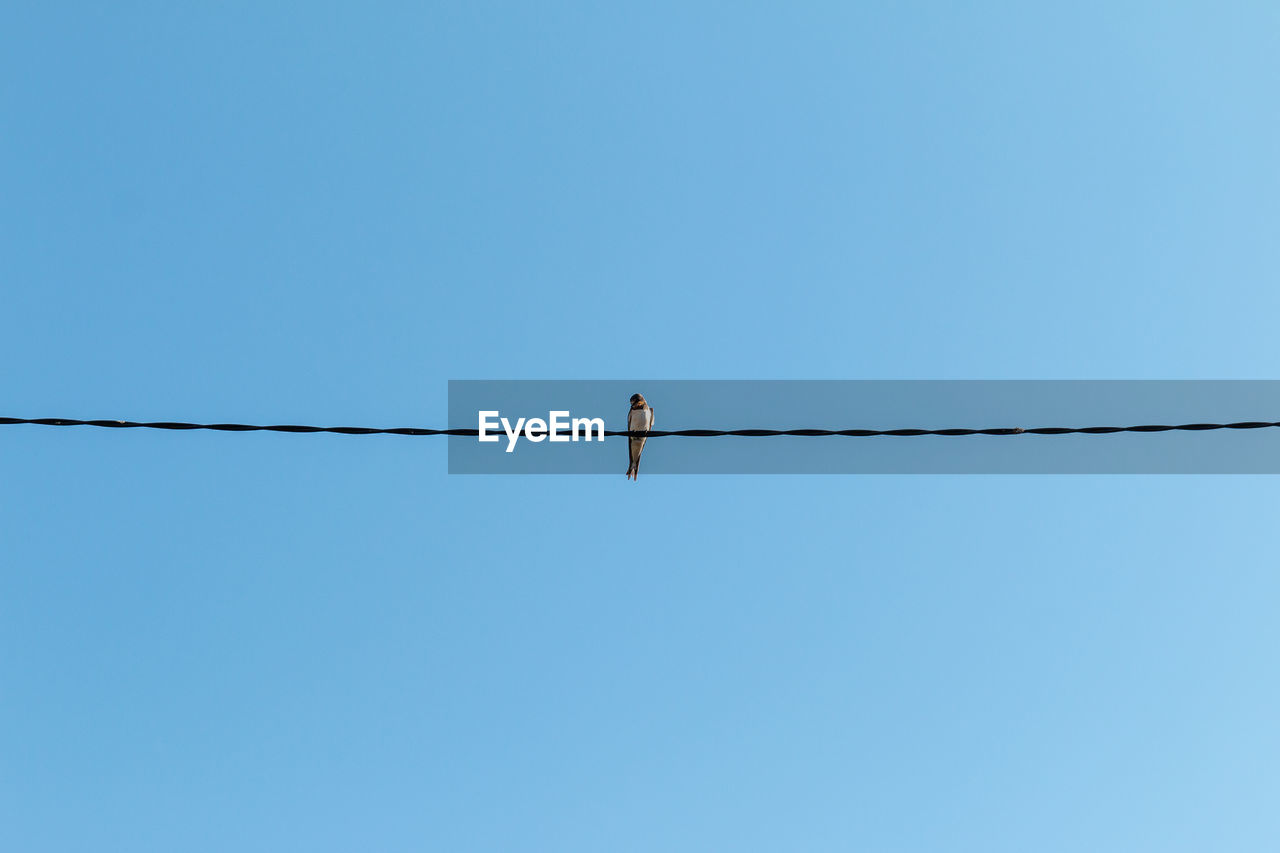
[555, 425]
[512, 434]
[486, 424]
[558, 427]
[589, 424]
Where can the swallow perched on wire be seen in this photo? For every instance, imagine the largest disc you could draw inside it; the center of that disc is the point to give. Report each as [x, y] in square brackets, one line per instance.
[639, 419]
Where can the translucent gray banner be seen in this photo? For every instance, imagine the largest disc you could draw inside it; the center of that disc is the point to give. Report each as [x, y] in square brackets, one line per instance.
[521, 445]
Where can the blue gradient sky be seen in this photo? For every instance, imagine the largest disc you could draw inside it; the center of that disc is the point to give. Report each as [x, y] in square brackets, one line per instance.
[320, 213]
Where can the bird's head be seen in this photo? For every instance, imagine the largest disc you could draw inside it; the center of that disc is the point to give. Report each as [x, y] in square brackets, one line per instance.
[636, 401]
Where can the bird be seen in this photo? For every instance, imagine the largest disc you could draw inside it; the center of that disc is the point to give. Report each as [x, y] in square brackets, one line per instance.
[639, 419]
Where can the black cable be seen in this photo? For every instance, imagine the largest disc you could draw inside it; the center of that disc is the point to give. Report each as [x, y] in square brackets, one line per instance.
[657, 433]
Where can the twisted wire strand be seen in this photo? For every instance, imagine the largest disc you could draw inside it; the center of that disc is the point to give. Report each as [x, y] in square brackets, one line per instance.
[656, 433]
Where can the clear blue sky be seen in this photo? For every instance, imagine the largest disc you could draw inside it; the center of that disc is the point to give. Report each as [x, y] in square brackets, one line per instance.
[321, 212]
